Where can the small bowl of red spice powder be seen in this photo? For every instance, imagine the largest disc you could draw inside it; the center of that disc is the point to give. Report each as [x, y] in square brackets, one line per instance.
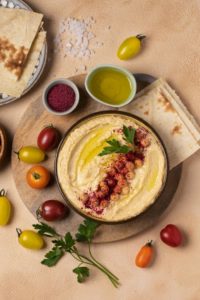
[61, 97]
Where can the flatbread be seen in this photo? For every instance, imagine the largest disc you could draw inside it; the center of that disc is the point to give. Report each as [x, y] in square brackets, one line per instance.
[15, 88]
[18, 29]
[162, 108]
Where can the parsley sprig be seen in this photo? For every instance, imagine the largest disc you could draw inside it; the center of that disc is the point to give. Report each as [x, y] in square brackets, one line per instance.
[129, 134]
[67, 244]
[116, 147]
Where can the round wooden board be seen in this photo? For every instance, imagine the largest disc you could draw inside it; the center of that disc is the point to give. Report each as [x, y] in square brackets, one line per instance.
[34, 119]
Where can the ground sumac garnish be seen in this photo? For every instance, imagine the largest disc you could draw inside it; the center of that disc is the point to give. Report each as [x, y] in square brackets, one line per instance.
[61, 97]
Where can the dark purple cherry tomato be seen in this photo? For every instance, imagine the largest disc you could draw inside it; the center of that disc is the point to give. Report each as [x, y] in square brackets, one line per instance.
[48, 138]
[53, 210]
[171, 235]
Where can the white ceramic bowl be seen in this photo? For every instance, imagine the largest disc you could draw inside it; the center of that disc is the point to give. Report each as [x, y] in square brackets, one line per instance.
[53, 83]
[118, 68]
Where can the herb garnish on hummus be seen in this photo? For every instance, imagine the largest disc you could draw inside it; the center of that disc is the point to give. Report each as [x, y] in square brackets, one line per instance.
[116, 147]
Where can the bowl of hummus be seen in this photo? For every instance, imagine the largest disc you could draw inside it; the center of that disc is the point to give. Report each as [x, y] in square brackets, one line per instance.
[111, 166]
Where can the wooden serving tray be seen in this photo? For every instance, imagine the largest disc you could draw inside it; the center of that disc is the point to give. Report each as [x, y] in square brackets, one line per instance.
[33, 121]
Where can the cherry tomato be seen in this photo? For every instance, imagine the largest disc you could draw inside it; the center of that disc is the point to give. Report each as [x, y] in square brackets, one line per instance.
[171, 235]
[30, 239]
[5, 208]
[130, 47]
[48, 138]
[145, 255]
[38, 177]
[53, 210]
[31, 155]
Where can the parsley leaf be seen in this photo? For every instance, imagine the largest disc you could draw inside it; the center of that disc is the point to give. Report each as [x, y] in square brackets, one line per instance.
[69, 240]
[86, 231]
[129, 134]
[65, 243]
[52, 257]
[115, 147]
[82, 273]
[45, 230]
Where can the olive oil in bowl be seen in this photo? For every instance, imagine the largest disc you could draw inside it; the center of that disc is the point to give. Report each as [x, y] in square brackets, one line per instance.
[111, 85]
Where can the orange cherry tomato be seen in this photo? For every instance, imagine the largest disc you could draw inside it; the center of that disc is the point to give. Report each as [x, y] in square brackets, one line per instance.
[145, 255]
[38, 177]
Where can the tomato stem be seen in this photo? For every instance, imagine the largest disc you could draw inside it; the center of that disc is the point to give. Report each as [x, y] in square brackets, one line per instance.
[17, 153]
[2, 193]
[36, 175]
[49, 126]
[38, 215]
[149, 243]
[140, 37]
[19, 232]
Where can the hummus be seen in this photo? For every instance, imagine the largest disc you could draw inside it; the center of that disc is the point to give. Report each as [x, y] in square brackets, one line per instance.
[116, 186]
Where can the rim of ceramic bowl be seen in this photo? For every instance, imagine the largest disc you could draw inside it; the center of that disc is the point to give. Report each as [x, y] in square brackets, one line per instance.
[53, 83]
[80, 211]
[3, 140]
[121, 69]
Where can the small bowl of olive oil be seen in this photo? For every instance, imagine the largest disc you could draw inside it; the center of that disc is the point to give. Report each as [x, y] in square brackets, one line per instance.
[111, 85]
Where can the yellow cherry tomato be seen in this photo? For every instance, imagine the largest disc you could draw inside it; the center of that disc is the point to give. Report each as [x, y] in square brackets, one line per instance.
[130, 47]
[31, 155]
[30, 239]
[5, 208]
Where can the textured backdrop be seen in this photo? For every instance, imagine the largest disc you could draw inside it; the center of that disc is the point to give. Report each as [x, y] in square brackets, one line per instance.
[171, 51]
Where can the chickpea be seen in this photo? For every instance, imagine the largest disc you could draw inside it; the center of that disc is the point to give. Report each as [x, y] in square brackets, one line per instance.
[122, 182]
[130, 166]
[99, 194]
[138, 163]
[119, 165]
[117, 189]
[119, 177]
[102, 184]
[123, 158]
[112, 172]
[105, 189]
[124, 171]
[114, 197]
[111, 181]
[84, 198]
[103, 203]
[125, 190]
[145, 142]
[94, 202]
[130, 175]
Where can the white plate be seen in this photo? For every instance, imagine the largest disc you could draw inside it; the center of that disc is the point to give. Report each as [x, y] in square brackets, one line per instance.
[5, 99]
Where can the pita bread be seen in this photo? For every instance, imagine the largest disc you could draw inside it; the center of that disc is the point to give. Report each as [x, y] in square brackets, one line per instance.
[161, 107]
[18, 29]
[15, 88]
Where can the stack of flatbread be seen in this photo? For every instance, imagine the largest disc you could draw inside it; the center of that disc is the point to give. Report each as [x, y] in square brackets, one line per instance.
[161, 107]
[21, 41]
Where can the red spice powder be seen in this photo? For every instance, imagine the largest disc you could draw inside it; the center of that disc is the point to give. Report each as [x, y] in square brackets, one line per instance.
[61, 97]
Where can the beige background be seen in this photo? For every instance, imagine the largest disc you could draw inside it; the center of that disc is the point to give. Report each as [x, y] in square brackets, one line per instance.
[171, 51]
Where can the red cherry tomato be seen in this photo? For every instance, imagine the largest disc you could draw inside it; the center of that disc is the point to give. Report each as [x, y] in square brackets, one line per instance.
[171, 235]
[53, 210]
[48, 138]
